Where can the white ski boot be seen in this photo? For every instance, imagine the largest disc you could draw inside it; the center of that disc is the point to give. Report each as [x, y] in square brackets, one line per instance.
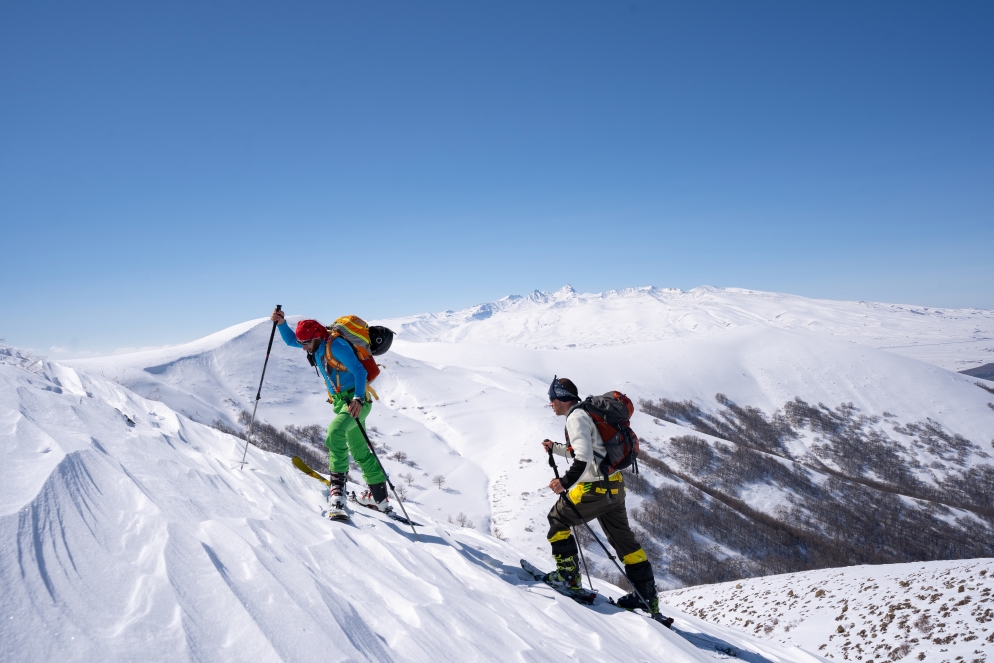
[374, 497]
[336, 497]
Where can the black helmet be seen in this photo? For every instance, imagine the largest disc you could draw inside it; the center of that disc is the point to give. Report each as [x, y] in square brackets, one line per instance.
[380, 339]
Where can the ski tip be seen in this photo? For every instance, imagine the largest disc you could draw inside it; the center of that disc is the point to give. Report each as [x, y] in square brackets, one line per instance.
[337, 517]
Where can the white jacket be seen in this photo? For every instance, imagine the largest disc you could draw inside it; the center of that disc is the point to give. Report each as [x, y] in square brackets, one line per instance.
[586, 442]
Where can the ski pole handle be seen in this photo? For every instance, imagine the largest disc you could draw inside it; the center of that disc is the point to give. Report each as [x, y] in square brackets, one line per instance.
[552, 464]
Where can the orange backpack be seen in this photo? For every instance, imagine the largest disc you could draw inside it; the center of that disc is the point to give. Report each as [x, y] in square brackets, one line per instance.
[356, 332]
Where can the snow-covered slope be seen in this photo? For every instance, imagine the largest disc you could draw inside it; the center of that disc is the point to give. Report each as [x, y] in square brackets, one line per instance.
[463, 395]
[758, 479]
[932, 611]
[125, 534]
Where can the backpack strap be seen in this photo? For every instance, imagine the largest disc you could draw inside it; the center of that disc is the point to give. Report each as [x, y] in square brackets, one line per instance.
[569, 447]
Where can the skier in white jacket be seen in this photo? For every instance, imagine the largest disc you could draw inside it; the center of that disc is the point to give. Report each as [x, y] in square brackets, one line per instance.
[594, 497]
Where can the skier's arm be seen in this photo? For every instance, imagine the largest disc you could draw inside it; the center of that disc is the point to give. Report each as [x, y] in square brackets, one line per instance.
[342, 351]
[288, 336]
[560, 449]
[575, 471]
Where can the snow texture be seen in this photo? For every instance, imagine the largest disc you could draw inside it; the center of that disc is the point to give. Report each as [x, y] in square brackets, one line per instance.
[933, 611]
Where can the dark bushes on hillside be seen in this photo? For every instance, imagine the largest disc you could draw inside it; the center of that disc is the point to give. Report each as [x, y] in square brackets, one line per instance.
[307, 442]
[854, 499]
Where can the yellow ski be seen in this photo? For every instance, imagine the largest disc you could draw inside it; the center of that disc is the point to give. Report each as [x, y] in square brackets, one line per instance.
[303, 467]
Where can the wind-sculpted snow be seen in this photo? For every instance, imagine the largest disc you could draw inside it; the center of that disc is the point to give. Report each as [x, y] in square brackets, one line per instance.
[933, 611]
[127, 536]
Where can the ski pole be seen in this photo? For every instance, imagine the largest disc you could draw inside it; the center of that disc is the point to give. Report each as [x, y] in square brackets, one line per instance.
[387, 476]
[586, 569]
[258, 394]
[565, 498]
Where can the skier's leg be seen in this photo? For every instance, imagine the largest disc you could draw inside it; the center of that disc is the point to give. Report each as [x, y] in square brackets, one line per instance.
[338, 463]
[564, 549]
[371, 472]
[336, 441]
[561, 520]
[637, 567]
[564, 515]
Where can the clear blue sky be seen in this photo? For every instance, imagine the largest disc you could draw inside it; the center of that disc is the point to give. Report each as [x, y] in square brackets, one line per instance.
[169, 169]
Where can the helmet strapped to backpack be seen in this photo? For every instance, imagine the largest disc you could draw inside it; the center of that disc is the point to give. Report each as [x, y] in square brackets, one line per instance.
[380, 340]
[612, 413]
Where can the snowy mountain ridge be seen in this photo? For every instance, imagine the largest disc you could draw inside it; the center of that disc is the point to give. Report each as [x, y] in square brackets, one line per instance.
[952, 338]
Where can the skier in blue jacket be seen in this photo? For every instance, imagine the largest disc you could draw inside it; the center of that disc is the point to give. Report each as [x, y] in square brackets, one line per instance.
[345, 379]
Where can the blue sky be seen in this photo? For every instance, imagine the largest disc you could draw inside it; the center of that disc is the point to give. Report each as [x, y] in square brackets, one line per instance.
[170, 169]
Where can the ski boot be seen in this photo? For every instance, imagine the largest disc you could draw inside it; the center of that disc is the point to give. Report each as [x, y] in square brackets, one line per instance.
[566, 572]
[336, 497]
[631, 601]
[374, 497]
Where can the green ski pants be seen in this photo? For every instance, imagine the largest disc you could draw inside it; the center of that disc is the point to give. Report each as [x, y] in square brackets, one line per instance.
[344, 437]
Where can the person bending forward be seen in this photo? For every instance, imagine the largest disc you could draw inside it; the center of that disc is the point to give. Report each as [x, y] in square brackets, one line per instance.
[345, 378]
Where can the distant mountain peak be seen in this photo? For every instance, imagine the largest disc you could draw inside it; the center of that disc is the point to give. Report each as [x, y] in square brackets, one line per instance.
[567, 318]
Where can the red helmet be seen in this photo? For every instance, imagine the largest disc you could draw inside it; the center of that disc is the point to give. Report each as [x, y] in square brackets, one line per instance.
[308, 330]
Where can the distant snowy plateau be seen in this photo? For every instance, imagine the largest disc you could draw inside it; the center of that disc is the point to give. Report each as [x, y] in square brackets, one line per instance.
[807, 468]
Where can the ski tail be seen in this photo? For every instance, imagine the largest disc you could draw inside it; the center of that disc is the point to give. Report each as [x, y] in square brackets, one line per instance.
[584, 596]
[392, 515]
[303, 467]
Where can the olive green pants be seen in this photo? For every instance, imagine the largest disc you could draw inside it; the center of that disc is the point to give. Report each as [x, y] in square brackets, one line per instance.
[344, 437]
[613, 518]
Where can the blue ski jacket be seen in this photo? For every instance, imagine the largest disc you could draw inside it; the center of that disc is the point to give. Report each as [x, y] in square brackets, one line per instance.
[354, 378]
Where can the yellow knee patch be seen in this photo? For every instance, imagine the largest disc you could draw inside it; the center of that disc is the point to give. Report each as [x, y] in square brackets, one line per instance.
[635, 557]
[559, 536]
[576, 492]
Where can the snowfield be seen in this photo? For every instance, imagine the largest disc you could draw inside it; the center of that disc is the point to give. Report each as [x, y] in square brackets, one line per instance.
[126, 535]
[780, 433]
